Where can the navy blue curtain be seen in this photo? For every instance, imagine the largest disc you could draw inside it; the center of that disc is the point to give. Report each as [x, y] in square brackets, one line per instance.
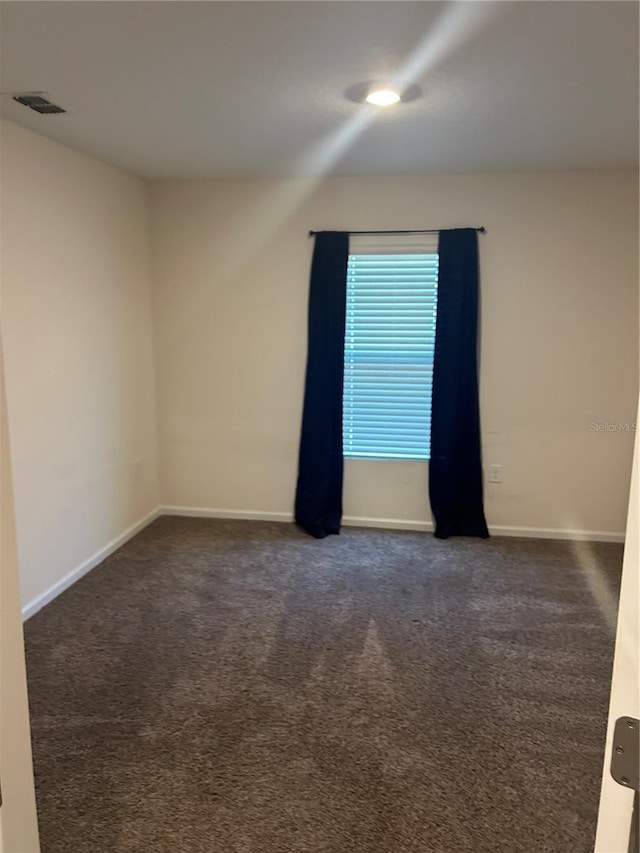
[455, 467]
[318, 503]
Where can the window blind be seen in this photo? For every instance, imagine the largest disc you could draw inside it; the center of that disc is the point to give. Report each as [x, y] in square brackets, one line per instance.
[389, 343]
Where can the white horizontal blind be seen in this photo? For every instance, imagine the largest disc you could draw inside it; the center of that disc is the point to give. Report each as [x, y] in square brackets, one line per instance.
[389, 343]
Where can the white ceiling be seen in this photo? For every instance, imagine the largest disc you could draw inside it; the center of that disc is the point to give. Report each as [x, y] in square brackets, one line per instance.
[204, 89]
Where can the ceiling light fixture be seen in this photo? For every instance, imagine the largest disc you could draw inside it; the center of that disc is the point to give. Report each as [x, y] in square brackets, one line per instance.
[382, 94]
[383, 97]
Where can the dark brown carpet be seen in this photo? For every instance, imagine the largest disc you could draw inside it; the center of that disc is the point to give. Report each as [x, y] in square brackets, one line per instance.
[237, 687]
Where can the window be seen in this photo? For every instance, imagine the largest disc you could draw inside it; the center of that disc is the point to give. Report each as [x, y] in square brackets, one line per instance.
[390, 331]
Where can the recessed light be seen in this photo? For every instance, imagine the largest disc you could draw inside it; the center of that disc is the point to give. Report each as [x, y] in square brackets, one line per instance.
[382, 94]
[383, 97]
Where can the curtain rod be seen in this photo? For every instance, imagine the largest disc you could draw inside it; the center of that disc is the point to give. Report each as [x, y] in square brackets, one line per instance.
[481, 230]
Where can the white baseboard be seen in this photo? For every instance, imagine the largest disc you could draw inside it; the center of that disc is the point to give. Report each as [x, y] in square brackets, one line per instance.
[401, 524]
[75, 574]
[259, 515]
[557, 533]
[386, 523]
[241, 514]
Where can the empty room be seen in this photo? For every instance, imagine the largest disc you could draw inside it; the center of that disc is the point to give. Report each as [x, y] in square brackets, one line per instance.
[319, 327]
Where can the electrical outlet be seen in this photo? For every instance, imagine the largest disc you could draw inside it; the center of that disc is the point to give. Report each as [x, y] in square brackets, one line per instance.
[495, 473]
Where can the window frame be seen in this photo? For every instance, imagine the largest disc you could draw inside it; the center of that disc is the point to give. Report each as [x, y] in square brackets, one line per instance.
[391, 245]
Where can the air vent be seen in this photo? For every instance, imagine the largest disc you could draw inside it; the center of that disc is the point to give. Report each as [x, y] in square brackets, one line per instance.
[37, 103]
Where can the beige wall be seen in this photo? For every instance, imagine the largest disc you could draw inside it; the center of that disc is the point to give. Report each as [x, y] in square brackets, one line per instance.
[76, 316]
[18, 827]
[559, 338]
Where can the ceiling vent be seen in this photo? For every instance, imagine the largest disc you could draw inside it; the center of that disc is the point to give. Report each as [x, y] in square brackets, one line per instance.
[37, 103]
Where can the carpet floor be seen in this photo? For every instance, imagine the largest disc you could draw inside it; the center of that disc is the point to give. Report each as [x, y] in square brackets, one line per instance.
[237, 687]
